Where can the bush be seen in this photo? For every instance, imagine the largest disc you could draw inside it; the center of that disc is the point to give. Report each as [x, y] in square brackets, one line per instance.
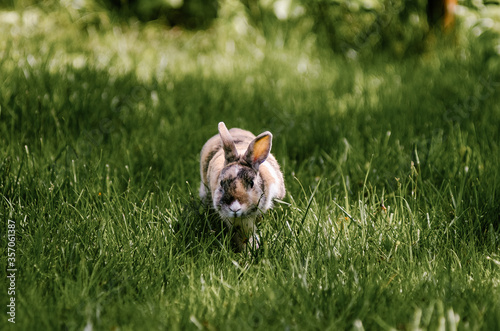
[191, 14]
[350, 27]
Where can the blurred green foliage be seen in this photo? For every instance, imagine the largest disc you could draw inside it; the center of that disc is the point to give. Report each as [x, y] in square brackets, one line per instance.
[349, 27]
[187, 13]
[354, 28]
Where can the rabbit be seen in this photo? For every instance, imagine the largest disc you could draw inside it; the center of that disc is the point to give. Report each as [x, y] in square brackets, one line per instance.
[240, 179]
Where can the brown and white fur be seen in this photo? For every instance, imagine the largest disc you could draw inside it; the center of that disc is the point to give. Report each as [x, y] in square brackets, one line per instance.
[240, 178]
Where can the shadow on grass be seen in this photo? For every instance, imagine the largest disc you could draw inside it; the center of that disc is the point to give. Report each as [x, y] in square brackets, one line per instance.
[199, 228]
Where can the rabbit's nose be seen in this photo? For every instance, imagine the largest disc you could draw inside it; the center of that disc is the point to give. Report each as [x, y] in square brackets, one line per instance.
[235, 206]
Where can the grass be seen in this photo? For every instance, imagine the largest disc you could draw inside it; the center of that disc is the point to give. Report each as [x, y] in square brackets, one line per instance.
[391, 219]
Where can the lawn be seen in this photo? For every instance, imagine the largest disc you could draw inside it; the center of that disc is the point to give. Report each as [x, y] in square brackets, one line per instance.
[392, 214]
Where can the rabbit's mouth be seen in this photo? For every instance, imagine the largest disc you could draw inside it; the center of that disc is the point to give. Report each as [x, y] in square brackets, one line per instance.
[233, 211]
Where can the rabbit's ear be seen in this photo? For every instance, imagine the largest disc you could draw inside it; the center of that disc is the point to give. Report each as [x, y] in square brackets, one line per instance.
[258, 150]
[230, 152]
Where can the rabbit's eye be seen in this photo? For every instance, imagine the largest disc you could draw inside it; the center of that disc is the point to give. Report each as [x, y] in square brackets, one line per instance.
[250, 183]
